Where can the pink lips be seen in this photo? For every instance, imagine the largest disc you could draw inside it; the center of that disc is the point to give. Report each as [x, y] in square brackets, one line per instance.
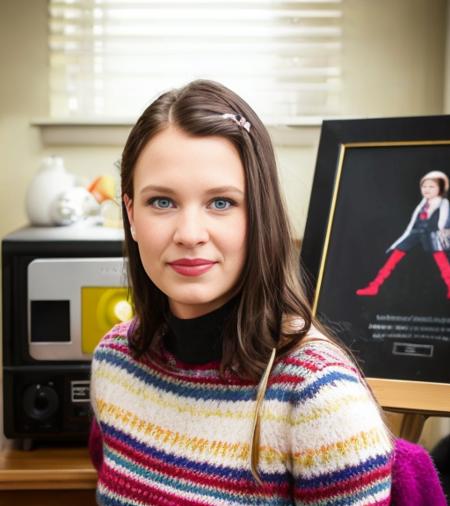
[191, 266]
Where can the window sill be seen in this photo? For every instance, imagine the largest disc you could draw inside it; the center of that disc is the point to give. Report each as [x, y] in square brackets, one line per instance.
[114, 132]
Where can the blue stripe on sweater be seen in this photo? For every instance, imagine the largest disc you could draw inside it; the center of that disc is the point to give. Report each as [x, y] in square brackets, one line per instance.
[224, 392]
[211, 392]
[353, 497]
[310, 390]
[105, 500]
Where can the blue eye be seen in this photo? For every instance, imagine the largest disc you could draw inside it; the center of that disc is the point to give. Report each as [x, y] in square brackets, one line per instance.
[161, 203]
[221, 204]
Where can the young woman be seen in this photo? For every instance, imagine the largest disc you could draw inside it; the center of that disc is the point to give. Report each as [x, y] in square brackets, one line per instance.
[222, 390]
[429, 226]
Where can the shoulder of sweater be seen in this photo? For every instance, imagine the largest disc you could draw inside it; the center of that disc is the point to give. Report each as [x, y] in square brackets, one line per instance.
[315, 357]
[327, 391]
[320, 349]
[118, 334]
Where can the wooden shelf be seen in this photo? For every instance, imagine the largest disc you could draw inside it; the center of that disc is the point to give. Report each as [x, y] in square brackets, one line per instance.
[45, 469]
[431, 399]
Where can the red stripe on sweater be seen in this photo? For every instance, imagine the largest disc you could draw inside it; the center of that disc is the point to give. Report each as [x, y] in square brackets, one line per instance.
[124, 486]
[326, 362]
[342, 488]
[286, 378]
[300, 363]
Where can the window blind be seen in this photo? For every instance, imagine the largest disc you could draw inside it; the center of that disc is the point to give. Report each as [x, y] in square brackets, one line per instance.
[111, 58]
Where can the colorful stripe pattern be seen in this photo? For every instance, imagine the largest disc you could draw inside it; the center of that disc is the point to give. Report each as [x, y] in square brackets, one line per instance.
[177, 434]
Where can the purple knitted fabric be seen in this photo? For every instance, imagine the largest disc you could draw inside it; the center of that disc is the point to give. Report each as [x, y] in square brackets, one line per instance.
[415, 481]
[96, 445]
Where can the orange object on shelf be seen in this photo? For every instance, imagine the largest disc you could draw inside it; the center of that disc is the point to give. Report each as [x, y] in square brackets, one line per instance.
[103, 188]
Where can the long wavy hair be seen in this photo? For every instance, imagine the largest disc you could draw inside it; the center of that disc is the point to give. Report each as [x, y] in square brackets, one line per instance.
[269, 287]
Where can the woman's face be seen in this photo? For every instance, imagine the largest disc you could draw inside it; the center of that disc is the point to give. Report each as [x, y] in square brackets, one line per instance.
[429, 188]
[189, 219]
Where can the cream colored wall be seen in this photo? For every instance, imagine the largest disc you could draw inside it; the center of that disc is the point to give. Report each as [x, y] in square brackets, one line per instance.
[397, 69]
[393, 63]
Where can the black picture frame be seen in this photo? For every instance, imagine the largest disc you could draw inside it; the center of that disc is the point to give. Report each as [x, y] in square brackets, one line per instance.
[365, 188]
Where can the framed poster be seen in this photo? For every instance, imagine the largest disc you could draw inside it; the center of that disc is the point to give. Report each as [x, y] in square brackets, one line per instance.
[377, 244]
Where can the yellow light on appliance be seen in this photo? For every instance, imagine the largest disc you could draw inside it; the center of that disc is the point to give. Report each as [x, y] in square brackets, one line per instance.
[101, 308]
[123, 310]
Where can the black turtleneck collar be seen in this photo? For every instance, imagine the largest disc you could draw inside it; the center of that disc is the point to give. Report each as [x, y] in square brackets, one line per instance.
[198, 340]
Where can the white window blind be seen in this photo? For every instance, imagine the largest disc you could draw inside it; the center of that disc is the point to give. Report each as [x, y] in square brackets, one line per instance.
[111, 58]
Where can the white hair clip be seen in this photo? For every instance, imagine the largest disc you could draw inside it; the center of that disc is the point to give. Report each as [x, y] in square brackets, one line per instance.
[238, 119]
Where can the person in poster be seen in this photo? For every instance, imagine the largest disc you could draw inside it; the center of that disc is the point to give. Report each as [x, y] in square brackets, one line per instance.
[429, 226]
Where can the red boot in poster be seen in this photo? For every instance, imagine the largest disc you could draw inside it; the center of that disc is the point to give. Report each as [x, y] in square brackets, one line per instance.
[372, 288]
[444, 267]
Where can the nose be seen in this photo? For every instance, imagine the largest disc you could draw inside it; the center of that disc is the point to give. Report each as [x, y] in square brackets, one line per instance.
[191, 229]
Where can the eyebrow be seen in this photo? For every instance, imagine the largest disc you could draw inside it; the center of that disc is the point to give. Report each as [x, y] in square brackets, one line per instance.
[211, 191]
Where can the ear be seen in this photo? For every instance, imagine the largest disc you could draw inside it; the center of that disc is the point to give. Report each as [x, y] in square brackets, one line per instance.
[129, 207]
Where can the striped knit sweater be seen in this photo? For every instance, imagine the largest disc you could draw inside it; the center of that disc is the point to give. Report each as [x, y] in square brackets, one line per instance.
[178, 434]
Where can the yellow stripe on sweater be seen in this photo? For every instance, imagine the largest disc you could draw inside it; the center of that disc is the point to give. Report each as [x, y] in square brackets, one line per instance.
[239, 451]
[147, 395]
[337, 452]
[197, 445]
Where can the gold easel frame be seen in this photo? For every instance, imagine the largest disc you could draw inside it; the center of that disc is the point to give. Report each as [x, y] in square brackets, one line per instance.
[416, 399]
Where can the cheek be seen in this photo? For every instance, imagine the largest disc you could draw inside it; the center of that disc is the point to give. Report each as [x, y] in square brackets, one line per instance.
[235, 239]
[150, 230]
[152, 240]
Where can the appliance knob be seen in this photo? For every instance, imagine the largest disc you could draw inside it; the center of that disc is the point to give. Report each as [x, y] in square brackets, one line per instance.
[40, 402]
